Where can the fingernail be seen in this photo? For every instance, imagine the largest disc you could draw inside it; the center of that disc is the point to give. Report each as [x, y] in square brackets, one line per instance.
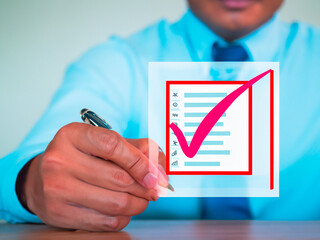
[155, 198]
[154, 195]
[150, 181]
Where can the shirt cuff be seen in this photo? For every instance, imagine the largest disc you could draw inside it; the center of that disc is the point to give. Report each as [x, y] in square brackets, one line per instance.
[10, 166]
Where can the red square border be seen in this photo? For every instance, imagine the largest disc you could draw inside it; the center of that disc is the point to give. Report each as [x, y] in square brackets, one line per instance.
[249, 172]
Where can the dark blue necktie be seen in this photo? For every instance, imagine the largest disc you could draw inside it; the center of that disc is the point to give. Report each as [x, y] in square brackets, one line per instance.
[227, 207]
[232, 53]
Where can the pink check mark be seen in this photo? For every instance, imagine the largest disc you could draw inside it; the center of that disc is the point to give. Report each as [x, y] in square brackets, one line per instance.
[211, 119]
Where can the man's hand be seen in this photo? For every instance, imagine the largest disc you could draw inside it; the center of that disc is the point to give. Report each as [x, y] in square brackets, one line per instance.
[91, 178]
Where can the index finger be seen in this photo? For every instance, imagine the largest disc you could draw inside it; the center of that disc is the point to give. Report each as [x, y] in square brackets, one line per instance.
[149, 148]
[152, 151]
[109, 145]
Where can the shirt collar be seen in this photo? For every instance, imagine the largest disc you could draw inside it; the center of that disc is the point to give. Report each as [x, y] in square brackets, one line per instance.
[262, 44]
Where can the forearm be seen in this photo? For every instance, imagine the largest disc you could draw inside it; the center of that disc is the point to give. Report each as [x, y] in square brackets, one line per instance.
[10, 166]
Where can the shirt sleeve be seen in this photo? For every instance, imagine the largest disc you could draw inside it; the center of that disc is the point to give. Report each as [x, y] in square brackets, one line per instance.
[100, 80]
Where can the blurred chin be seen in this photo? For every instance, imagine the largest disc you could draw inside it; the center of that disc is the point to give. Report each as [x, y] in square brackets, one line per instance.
[234, 18]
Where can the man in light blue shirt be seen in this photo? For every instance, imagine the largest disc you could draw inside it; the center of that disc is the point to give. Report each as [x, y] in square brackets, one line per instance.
[68, 184]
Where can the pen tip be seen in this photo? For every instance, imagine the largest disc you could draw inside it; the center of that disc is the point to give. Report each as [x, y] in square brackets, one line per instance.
[170, 187]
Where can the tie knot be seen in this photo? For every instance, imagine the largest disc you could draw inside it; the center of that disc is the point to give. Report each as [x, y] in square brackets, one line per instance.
[229, 53]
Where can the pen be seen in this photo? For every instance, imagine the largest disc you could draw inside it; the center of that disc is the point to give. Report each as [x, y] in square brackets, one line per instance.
[93, 119]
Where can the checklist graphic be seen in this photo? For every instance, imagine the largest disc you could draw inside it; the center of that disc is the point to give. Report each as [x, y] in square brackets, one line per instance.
[218, 125]
[209, 126]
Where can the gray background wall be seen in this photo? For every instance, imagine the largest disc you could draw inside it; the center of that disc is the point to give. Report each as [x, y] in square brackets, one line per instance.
[39, 38]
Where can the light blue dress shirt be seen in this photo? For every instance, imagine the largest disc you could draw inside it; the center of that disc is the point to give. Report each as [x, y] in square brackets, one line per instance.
[112, 78]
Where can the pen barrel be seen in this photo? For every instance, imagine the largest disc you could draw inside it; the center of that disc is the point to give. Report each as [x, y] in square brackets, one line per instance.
[93, 119]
